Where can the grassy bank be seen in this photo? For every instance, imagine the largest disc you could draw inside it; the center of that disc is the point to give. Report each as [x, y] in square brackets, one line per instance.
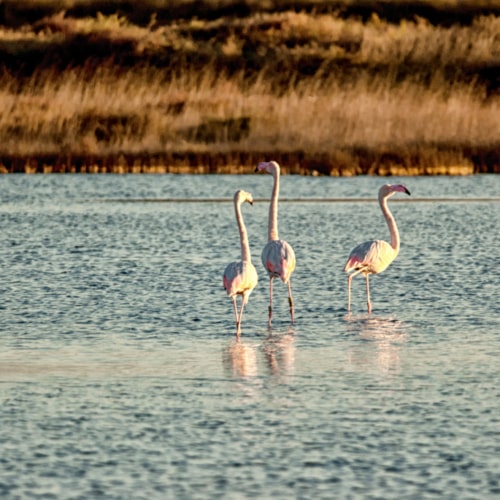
[335, 88]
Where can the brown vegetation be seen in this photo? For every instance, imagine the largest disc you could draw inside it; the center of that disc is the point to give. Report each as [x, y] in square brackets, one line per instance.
[331, 87]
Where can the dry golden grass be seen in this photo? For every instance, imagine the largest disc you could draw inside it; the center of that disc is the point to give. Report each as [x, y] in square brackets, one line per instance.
[63, 112]
[330, 93]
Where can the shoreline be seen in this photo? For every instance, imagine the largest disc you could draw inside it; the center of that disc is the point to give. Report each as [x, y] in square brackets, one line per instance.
[380, 163]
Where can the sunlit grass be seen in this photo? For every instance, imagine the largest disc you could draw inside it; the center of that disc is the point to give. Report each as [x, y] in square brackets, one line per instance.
[310, 117]
[280, 82]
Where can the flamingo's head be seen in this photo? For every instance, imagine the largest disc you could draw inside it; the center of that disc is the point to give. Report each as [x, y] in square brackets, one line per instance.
[241, 196]
[389, 189]
[271, 167]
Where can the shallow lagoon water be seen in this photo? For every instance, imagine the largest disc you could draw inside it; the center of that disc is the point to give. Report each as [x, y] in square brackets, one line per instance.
[120, 375]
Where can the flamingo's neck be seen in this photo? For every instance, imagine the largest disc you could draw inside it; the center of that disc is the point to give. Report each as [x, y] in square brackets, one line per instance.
[391, 223]
[245, 247]
[273, 207]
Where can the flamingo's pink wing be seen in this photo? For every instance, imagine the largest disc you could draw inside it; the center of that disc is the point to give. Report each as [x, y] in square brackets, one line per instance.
[374, 256]
[239, 278]
[278, 258]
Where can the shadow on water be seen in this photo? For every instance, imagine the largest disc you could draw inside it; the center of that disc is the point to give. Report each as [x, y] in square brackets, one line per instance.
[382, 339]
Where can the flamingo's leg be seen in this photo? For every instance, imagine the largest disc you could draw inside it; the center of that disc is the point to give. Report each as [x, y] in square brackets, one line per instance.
[368, 293]
[349, 279]
[270, 302]
[243, 302]
[235, 307]
[290, 301]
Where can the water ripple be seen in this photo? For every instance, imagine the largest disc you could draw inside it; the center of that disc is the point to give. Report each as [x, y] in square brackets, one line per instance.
[121, 375]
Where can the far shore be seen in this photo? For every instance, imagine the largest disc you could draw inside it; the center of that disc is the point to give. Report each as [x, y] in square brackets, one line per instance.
[369, 163]
[326, 88]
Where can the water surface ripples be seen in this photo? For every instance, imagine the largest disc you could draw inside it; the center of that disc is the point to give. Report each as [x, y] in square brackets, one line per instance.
[120, 376]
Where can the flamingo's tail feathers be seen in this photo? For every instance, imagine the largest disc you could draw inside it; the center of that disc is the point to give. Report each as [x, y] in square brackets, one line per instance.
[352, 263]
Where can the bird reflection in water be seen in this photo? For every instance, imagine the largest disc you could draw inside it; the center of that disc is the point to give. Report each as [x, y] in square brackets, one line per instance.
[278, 353]
[387, 334]
[241, 358]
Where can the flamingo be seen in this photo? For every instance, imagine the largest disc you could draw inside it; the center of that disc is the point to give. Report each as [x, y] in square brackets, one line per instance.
[240, 277]
[277, 256]
[374, 256]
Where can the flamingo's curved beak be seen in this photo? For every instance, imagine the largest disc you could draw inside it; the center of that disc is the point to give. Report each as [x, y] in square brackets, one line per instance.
[400, 187]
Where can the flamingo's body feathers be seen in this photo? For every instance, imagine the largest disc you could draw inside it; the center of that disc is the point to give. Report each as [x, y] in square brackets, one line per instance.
[278, 258]
[370, 257]
[375, 256]
[240, 278]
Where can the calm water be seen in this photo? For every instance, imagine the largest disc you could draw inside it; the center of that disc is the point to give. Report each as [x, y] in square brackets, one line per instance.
[121, 377]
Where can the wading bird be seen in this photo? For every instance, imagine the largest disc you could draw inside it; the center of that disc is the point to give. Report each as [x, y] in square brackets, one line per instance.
[278, 256]
[240, 277]
[373, 257]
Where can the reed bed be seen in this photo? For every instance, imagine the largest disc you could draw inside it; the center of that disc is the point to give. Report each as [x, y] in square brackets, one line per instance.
[319, 89]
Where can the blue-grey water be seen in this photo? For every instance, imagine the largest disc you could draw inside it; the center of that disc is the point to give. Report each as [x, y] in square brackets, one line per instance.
[121, 377]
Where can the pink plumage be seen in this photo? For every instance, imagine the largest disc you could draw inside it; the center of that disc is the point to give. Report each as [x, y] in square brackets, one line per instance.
[279, 259]
[240, 277]
[374, 256]
[277, 256]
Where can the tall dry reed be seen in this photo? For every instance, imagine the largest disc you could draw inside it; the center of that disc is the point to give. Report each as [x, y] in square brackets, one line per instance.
[276, 82]
[63, 112]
